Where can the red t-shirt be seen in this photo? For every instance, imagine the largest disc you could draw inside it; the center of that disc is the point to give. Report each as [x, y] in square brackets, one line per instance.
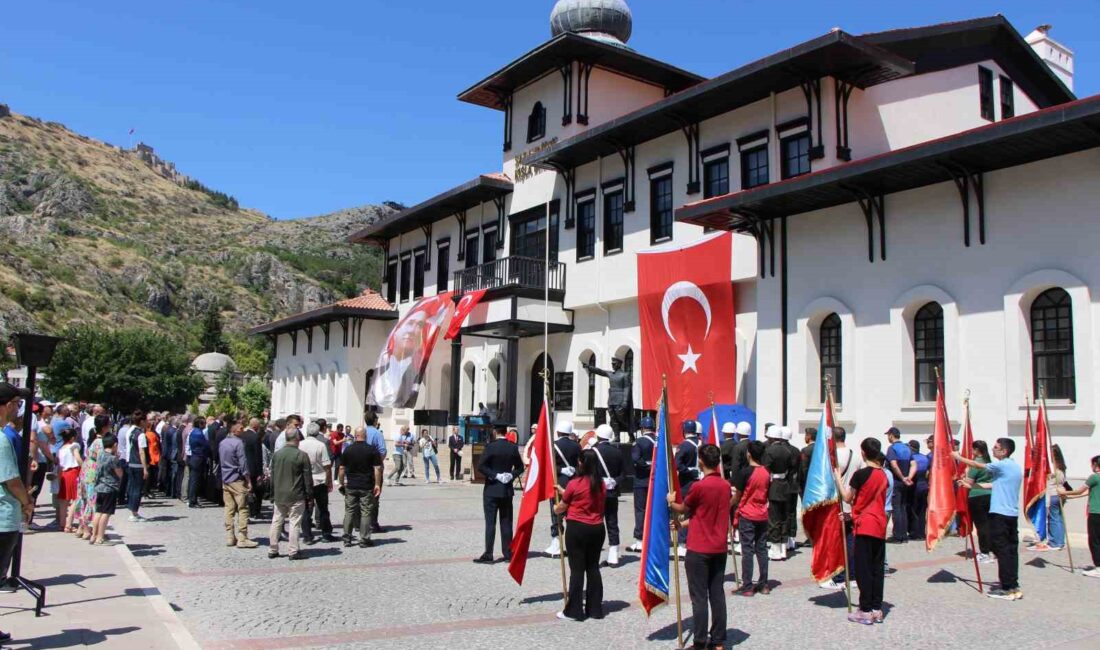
[583, 508]
[753, 483]
[709, 505]
[869, 506]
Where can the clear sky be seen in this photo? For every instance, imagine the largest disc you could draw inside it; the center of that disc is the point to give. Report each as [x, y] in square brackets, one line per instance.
[303, 108]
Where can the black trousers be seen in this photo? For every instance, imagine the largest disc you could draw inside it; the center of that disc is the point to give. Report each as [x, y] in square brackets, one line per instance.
[754, 544]
[176, 475]
[318, 506]
[1094, 538]
[498, 507]
[979, 514]
[1005, 538]
[777, 520]
[7, 551]
[255, 500]
[562, 481]
[792, 516]
[869, 568]
[640, 496]
[899, 503]
[585, 541]
[611, 518]
[456, 466]
[196, 474]
[705, 572]
[918, 513]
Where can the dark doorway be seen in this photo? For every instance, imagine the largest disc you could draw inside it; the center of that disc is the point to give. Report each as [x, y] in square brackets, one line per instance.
[537, 387]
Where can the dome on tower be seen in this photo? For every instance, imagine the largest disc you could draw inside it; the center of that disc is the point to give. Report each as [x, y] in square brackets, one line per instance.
[606, 20]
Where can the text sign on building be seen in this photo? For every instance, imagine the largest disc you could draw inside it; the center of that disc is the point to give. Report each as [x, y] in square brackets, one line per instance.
[525, 171]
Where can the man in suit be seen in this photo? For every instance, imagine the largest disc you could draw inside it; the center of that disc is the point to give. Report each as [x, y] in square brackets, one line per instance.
[566, 452]
[611, 465]
[253, 451]
[641, 455]
[455, 444]
[500, 465]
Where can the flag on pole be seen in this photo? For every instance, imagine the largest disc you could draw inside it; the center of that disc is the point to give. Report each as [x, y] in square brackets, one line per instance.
[941, 478]
[1035, 483]
[465, 305]
[821, 505]
[654, 580]
[538, 487]
[1029, 443]
[962, 493]
[713, 438]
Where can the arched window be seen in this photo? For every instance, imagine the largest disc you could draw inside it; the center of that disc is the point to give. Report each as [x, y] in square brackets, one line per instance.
[829, 351]
[927, 350]
[591, 360]
[1052, 345]
[536, 122]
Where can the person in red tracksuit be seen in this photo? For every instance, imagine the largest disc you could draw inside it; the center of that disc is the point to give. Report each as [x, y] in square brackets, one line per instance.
[867, 494]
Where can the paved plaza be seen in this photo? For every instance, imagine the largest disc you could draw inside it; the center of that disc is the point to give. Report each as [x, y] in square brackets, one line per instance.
[418, 586]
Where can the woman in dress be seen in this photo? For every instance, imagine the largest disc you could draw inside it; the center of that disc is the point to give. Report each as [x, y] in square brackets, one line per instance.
[69, 462]
[84, 508]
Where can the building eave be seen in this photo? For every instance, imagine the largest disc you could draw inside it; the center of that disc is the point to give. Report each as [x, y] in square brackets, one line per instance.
[320, 316]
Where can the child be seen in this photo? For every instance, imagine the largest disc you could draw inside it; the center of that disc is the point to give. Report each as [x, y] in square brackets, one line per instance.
[751, 484]
[69, 461]
[1092, 488]
[867, 494]
[108, 480]
[708, 504]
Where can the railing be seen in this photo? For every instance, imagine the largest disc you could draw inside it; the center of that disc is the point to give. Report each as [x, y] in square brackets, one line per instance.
[511, 272]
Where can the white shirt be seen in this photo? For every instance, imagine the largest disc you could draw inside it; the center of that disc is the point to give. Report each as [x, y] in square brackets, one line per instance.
[87, 428]
[318, 457]
[65, 456]
[160, 428]
[848, 463]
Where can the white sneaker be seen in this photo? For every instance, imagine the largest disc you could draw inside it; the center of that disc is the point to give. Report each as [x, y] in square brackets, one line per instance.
[613, 556]
[984, 558]
[791, 544]
[636, 547]
[1092, 573]
[554, 549]
[737, 548]
[137, 518]
[829, 584]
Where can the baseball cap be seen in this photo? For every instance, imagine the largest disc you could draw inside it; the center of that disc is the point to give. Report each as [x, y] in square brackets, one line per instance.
[9, 392]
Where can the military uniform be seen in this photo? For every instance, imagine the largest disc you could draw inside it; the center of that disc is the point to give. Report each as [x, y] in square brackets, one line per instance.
[687, 459]
[611, 464]
[641, 456]
[500, 464]
[782, 461]
[566, 453]
[619, 397]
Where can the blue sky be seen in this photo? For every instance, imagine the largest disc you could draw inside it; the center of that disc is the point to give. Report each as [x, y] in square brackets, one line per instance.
[303, 108]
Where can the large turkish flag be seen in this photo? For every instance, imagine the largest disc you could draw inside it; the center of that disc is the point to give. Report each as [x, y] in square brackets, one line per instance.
[685, 305]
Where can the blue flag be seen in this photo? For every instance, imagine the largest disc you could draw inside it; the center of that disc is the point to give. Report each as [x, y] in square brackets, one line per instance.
[654, 581]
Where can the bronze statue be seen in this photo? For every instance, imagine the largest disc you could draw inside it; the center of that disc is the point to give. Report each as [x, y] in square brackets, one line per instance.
[620, 408]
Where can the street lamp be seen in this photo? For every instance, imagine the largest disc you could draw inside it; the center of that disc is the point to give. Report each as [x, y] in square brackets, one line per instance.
[33, 351]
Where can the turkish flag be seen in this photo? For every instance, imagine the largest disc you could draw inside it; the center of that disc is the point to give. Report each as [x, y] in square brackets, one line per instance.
[941, 478]
[685, 305]
[462, 310]
[537, 487]
[962, 493]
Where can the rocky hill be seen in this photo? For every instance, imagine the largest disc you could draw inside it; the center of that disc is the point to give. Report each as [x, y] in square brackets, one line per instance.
[89, 232]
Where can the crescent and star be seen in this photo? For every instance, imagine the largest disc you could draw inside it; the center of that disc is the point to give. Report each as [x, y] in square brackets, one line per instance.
[689, 290]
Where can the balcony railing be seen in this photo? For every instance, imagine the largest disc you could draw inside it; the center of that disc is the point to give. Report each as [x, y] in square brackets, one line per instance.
[512, 273]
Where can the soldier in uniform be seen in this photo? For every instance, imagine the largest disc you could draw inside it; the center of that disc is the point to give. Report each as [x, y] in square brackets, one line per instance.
[687, 456]
[566, 453]
[619, 407]
[781, 460]
[641, 456]
[611, 468]
[795, 490]
[500, 464]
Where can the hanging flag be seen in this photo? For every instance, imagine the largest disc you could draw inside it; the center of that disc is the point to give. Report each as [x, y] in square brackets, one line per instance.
[402, 362]
[654, 580]
[821, 506]
[537, 487]
[462, 310]
[962, 493]
[686, 309]
[941, 478]
[1029, 442]
[1035, 483]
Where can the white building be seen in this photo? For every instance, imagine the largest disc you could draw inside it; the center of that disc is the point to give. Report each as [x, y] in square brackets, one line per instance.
[902, 201]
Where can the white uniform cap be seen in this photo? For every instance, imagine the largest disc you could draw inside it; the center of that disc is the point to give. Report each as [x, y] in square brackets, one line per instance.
[774, 432]
[698, 427]
[787, 433]
[605, 432]
[564, 427]
[729, 428]
[744, 428]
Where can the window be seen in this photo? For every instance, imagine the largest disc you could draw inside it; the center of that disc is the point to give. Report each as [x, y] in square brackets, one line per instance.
[985, 92]
[1052, 345]
[591, 402]
[418, 273]
[536, 122]
[1008, 99]
[405, 272]
[586, 230]
[489, 246]
[660, 209]
[391, 281]
[613, 222]
[927, 350]
[471, 249]
[442, 265]
[754, 167]
[796, 155]
[829, 350]
[716, 178]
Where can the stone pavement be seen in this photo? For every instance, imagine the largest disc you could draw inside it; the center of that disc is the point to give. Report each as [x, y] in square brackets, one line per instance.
[418, 586]
[95, 596]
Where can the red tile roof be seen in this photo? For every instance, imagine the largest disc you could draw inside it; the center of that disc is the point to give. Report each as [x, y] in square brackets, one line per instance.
[369, 299]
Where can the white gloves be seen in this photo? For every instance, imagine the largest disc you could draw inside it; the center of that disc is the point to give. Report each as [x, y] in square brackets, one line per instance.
[610, 483]
[698, 473]
[505, 477]
[568, 471]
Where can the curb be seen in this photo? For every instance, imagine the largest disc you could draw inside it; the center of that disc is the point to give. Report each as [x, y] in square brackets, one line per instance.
[165, 614]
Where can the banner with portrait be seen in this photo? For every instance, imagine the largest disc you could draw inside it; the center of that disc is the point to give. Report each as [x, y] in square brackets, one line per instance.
[399, 372]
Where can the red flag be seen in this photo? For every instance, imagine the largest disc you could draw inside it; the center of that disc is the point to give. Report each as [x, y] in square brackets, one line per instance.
[685, 305]
[462, 310]
[538, 487]
[1038, 459]
[941, 478]
[962, 493]
[713, 438]
[1028, 444]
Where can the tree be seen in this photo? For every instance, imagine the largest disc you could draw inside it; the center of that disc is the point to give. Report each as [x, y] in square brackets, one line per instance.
[212, 339]
[252, 355]
[226, 384]
[124, 370]
[254, 397]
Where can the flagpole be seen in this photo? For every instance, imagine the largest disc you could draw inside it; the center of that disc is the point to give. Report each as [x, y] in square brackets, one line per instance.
[557, 496]
[1050, 447]
[970, 532]
[676, 528]
[729, 520]
[839, 492]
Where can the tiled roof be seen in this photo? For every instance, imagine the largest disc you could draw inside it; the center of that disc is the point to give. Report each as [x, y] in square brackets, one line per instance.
[369, 299]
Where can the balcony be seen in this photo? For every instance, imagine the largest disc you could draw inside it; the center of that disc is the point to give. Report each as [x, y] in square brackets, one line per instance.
[514, 276]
